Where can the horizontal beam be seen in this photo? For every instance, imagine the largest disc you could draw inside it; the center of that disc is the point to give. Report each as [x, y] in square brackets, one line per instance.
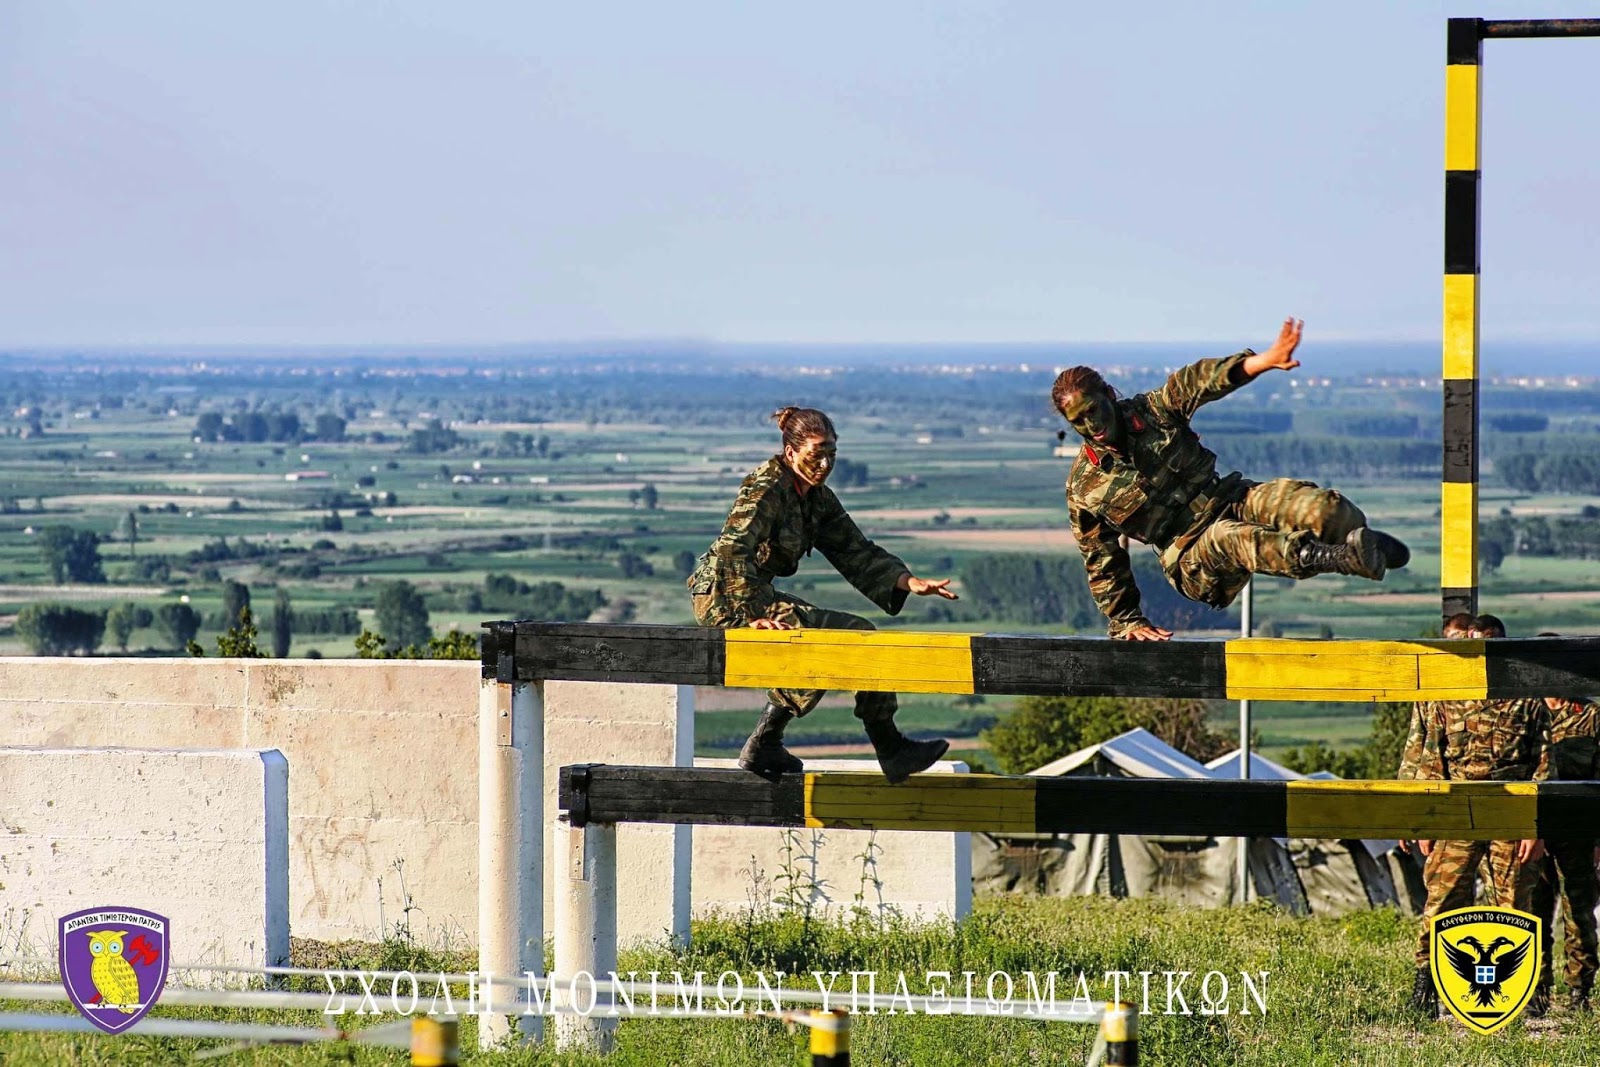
[909, 662]
[1540, 27]
[997, 804]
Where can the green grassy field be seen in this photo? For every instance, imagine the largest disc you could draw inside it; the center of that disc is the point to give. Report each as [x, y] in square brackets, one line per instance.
[1334, 992]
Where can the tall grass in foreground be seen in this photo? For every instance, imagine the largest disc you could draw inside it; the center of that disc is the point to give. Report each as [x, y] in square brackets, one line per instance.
[1335, 994]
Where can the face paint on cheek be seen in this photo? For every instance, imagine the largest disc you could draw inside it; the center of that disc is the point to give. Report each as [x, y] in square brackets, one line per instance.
[1093, 415]
[815, 464]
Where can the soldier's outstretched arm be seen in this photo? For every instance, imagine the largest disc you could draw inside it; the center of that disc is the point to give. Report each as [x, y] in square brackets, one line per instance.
[1110, 576]
[1280, 356]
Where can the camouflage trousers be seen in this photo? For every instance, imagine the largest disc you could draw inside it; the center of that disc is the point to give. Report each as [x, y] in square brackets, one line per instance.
[1572, 862]
[709, 610]
[1262, 534]
[1451, 873]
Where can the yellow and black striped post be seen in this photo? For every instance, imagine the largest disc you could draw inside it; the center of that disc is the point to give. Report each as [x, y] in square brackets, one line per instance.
[1458, 504]
[1119, 1029]
[830, 1038]
[435, 1042]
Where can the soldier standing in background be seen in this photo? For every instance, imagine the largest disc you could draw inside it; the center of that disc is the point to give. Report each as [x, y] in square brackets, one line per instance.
[1570, 862]
[1474, 741]
[1142, 473]
[783, 511]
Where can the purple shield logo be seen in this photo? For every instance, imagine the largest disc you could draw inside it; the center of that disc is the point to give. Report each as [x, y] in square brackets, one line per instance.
[113, 963]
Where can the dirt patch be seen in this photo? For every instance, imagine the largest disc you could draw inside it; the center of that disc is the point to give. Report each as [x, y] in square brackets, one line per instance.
[78, 592]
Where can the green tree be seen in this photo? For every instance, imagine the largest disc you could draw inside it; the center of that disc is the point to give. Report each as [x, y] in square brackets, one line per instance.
[130, 532]
[282, 624]
[1042, 729]
[402, 614]
[178, 623]
[649, 496]
[684, 563]
[59, 630]
[239, 640]
[235, 599]
[71, 555]
[124, 618]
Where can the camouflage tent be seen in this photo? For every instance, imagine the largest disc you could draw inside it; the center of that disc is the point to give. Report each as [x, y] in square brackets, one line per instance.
[1303, 876]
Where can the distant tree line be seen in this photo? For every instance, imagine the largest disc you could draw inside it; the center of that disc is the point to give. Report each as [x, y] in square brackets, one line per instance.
[1052, 590]
[1576, 473]
[259, 426]
[1568, 536]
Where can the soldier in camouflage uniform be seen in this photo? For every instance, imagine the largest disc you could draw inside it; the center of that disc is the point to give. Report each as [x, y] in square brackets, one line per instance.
[784, 511]
[1143, 474]
[1570, 862]
[1473, 741]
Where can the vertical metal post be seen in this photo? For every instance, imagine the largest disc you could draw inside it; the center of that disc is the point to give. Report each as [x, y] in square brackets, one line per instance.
[510, 844]
[435, 1042]
[586, 936]
[1119, 1029]
[1458, 491]
[1246, 627]
[830, 1038]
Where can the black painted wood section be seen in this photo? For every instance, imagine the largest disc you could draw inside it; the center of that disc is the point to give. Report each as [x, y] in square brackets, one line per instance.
[1464, 41]
[1207, 808]
[582, 652]
[1461, 222]
[1051, 666]
[1460, 430]
[1544, 667]
[683, 795]
[1569, 809]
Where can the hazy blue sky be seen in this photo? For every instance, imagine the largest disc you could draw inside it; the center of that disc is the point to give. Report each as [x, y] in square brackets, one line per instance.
[351, 172]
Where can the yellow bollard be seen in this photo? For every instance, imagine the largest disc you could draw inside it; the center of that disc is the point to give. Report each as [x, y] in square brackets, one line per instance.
[830, 1038]
[1119, 1028]
[434, 1042]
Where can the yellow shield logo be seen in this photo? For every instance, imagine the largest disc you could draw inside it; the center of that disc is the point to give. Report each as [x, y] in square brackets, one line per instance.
[1486, 963]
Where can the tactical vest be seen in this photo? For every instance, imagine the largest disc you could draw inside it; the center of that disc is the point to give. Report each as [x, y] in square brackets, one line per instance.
[1162, 490]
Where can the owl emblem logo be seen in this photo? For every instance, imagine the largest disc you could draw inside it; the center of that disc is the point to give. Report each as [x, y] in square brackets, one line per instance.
[113, 963]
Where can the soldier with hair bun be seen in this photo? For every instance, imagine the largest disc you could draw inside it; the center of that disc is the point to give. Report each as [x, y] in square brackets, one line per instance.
[1142, 474]
[783, 511]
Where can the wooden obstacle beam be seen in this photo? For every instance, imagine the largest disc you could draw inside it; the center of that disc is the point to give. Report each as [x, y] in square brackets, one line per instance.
[1479, 811]
[915, 662]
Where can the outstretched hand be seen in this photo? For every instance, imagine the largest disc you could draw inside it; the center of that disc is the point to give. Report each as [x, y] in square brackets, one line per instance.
[770, 624]
[1147, 632]
[1281, 355]
[928, 586]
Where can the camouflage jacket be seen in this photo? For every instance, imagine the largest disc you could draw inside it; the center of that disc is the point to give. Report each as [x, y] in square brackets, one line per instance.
[770, 527]
[1477, 741]
[1574, 751]
[1162, 490]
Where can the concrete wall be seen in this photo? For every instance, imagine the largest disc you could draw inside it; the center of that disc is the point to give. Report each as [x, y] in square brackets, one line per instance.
[201, 837]
[383, 801]
[924, 875]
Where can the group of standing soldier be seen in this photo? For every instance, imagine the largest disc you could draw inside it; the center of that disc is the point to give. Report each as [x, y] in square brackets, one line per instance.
[1526, 739]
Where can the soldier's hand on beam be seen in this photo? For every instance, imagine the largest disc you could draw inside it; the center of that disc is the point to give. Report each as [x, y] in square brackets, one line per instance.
[1281, 355]
[1424, 847]
[1147, 632]
[927, 586]
[770, 624]
[1530, 851]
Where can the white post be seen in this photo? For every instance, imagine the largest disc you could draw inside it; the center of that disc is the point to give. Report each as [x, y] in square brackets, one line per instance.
[510, 844]
[1246, 624]
[586, 935]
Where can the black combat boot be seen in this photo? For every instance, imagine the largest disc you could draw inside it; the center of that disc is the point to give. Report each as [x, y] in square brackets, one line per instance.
[1361, 555]
[1424, 998]
[1578, 1002]
[764, 753]
[1539, 1003]
[1395, 552]
[898, 755]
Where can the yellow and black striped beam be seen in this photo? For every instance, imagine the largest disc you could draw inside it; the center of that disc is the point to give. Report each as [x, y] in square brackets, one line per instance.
[997, 804]
[1463, 170]
[1458, 504]
[913, 662]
